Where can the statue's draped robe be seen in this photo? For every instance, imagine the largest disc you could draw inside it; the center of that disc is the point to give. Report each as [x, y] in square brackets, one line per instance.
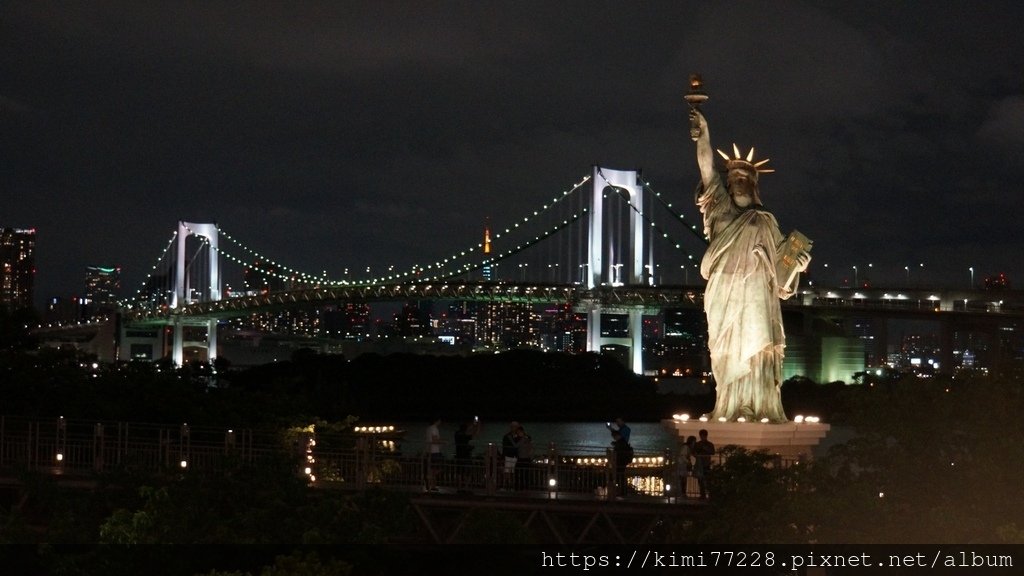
[745, 334]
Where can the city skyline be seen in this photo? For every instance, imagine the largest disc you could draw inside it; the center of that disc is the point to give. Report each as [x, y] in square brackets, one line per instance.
[337, 137]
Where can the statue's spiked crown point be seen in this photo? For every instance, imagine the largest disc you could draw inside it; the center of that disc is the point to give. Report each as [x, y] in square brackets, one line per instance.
[739, 162]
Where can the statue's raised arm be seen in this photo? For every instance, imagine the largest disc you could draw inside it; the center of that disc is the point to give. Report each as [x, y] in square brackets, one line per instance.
[705, 154]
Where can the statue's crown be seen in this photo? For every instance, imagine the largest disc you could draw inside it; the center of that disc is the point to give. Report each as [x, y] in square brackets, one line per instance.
[739, 162]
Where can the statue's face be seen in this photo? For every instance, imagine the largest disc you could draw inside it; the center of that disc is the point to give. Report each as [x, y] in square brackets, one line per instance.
[741, 188]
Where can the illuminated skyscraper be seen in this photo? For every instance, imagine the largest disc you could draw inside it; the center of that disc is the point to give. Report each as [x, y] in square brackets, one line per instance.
[17, 267]
[506, 325]
[102, 287]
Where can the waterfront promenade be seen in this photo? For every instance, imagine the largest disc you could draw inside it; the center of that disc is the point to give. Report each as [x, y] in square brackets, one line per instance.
[562, 496]
[359, 458]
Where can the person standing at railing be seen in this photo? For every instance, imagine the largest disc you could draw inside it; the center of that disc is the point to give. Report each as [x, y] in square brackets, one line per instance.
[524, 461]
[464, 450]
[685, 463]
[622, 452]
[435, 458]
[704, 450]
[510, 452]
[620, 426]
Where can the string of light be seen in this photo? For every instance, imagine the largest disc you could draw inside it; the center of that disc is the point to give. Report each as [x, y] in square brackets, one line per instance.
[145, 282]
[679, 216]
[445, 275]
[298, 277]
[414, 272]
[295, 275]
[672, 242]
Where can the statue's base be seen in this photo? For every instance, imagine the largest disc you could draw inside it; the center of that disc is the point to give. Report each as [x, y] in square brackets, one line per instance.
[788, 440]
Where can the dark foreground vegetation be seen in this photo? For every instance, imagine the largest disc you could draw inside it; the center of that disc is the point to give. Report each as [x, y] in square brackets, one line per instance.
[400, 387]
[932, 461]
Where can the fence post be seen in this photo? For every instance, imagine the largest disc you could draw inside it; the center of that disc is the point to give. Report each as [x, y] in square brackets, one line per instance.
[184, 448]
[609, 473]
[122, 441]
[362, 462]
[165, 448]
[229, 442]
[668, 475]
[62, 441]
[33, 444]
[491, 469]
[552, 479]
[97, 447]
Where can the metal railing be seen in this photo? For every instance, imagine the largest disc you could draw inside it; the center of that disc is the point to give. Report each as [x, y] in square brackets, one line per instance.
[346, 460]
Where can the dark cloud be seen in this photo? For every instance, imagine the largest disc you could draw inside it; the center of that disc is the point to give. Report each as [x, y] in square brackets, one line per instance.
[344, 135]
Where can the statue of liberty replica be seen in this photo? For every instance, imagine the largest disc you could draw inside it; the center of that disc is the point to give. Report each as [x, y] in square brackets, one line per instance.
[749, 267]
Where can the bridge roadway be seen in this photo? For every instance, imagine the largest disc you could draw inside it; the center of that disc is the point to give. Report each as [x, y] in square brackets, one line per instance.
[611, 298]
[558, 499]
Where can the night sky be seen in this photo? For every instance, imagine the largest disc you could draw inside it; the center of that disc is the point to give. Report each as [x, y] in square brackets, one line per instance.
[334, 135]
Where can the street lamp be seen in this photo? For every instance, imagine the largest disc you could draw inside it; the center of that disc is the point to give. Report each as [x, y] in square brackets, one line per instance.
[907, 268]
[971, 269]
[855, 283]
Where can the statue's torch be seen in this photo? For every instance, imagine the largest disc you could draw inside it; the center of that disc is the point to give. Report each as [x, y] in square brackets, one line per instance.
[695, 97]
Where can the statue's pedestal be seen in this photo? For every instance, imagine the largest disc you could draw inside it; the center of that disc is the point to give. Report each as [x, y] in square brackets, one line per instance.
[788, 440]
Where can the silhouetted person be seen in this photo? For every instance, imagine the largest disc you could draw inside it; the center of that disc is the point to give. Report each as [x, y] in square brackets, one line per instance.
[685, 463]
[435, 459]
[620, 426]
[464, 451]
[703, 450]
[524, 463]
[622, 452]
[510, 452]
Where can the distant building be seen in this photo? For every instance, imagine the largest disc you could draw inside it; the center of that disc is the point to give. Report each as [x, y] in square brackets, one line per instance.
[682, 349]
[351, 322]
[156, 290]
[458, 323]
[102, 288]
[413, 321]
[506, 325]
[299, 322]
[17, 267]
[62, 310]
[560, 329]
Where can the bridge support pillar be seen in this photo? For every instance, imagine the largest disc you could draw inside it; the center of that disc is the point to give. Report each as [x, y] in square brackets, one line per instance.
[178, 344]
[633, 340]
[626, 182]
[211, 340]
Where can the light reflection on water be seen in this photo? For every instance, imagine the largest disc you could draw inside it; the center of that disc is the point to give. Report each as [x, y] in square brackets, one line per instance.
[568, 437]
[647, 438]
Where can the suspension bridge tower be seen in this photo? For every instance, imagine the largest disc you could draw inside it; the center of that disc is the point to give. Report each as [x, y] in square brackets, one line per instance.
[184, 293]
[624, 246]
